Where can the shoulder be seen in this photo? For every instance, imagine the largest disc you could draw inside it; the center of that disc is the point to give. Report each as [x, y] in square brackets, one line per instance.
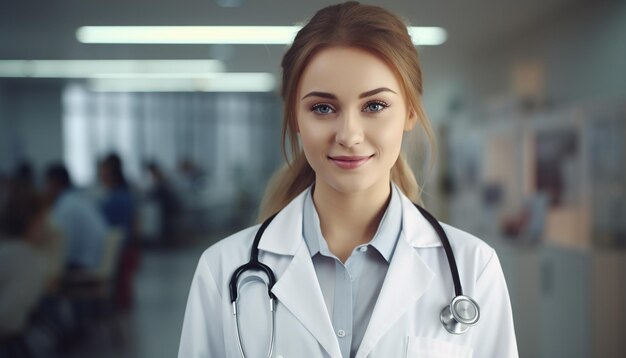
[223, 257]
[469, 250]
[64, 208]
[234, 244]
[234, 250]
[119, 195]
[73, 201]
[464, 241]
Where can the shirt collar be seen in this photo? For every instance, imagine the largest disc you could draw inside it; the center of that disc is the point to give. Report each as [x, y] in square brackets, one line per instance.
[384, 240]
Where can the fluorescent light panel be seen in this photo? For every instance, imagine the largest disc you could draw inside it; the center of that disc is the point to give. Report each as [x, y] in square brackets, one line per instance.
[187, 34]
[428, 36]
[268, 35]
[87, 68]
[223, 82]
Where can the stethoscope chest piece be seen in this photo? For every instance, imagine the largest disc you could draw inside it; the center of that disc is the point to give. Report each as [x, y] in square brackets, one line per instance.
[457, 317]
[462, 313]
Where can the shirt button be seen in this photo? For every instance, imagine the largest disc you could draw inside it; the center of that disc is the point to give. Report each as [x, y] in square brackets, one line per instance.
[363, 248]
[341, 333]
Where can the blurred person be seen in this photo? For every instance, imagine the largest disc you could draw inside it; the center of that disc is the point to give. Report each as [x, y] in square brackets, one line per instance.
[19, 192]
[353, 267]
[24, 175]
[162, 193]
[24, 269]
[117, 202]
[80, 223]
[84, 232]
[118, 206]
[190, 176]
[18, 182]
[4, 188]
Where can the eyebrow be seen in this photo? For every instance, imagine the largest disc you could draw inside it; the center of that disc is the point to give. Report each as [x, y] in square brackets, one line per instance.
[362, 95]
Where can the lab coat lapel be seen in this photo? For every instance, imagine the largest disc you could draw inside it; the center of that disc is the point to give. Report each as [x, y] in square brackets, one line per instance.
[407, 279]
[299, 291]
[297, 288]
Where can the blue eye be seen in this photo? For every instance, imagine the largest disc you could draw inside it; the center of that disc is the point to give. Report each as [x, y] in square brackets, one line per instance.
[322, 109]
[375, 107]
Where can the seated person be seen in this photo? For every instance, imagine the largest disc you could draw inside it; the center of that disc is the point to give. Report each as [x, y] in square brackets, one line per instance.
[77, 218]
[118, 207]
[23, 268]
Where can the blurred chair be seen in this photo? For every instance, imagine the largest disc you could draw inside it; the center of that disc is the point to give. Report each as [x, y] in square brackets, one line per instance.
[53, 250]
[94, 288]
[22, 281]
[97, 281]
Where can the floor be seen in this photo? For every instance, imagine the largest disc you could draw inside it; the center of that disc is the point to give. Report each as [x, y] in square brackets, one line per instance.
[152, 328]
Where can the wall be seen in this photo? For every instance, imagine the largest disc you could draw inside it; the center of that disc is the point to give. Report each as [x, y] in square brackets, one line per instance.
[579, 54]
[582, 51]
[32, 118]
[4, 127]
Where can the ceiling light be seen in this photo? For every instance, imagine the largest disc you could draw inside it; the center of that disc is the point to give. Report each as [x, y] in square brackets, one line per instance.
[228, 3]
[187, 34]
[223, 82]
[428, 36]
[87, 68]
[267, 35]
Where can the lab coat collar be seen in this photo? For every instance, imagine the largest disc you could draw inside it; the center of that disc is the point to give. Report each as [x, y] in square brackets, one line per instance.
[408, 277]
[298, 288]
[384, 240]
[416, 229]
[299, 291]
[284, 235]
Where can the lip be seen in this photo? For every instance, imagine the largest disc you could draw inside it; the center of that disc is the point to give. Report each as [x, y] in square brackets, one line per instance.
[349, 162]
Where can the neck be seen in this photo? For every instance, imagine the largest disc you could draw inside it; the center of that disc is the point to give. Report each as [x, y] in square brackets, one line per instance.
[350, 219]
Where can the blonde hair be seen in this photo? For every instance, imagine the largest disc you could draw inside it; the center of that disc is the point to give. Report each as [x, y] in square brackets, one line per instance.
[370, 28]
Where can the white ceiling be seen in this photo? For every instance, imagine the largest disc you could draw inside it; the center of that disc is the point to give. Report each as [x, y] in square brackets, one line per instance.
[46, 29]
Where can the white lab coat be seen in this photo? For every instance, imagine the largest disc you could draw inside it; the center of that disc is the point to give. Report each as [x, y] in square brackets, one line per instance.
[405, 321]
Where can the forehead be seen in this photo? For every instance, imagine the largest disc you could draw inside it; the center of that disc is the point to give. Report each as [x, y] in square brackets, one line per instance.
[347, 70]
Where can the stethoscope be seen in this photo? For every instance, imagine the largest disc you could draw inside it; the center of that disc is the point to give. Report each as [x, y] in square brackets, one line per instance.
[457, 317]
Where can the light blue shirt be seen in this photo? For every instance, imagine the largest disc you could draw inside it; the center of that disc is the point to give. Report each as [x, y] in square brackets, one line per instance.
[350, 290]
[82, 227]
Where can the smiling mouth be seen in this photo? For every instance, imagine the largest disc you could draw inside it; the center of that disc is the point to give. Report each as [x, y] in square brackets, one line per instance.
[350, 162]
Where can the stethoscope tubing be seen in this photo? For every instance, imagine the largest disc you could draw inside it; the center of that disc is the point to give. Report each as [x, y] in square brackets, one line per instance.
[449, 316]
[458, 290]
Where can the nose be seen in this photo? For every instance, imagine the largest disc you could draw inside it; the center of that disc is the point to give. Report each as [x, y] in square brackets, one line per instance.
[349, 131]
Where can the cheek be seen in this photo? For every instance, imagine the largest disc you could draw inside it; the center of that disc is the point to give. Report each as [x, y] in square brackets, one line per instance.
[312, 138]
[389, 138]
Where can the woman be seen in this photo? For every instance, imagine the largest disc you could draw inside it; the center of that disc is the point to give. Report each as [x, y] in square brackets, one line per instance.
[360, 271]
[118, 208]
[24, 270]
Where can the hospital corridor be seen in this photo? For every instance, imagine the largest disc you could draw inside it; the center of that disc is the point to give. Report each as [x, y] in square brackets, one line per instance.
[135, 135]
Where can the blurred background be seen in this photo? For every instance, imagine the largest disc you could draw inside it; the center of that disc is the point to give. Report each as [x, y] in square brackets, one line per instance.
[125, 152]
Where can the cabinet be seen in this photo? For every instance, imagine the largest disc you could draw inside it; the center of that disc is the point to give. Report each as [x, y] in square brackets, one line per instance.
[566, 303]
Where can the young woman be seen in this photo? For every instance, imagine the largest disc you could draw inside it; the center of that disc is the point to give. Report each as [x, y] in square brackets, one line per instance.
[353, 268]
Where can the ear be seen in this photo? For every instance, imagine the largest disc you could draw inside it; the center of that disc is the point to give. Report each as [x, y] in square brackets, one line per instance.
[411, 120]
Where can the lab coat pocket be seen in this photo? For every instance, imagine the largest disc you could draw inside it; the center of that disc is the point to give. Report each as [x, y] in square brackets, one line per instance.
[420, 347]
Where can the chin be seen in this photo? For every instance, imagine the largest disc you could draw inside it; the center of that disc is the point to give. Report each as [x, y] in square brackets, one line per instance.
[350, 184]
